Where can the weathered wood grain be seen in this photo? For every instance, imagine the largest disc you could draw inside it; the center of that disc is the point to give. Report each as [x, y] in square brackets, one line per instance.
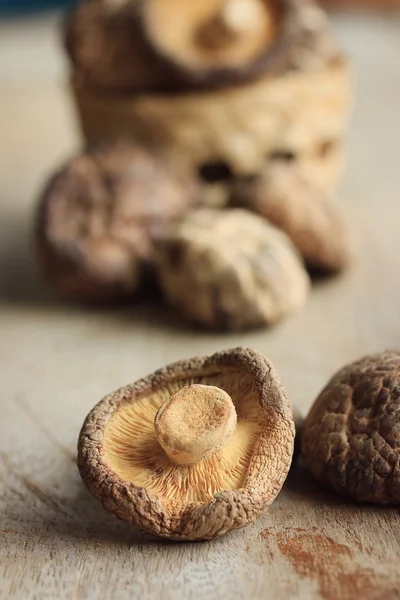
[57, 361]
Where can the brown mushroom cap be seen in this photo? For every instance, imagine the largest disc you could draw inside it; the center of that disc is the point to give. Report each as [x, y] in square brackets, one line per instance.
[230, 269]
[123, 465]
[99, 216]
[304, 211]
[351, 437]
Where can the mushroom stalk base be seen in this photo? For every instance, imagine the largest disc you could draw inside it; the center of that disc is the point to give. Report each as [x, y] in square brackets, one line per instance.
[195, 423]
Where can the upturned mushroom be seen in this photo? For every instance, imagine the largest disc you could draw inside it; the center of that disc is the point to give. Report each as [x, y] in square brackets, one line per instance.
[99, 216]
[133, 45]
[351, 436]
[287, 198]
[217, 42]
[195, 450]
[230, 269]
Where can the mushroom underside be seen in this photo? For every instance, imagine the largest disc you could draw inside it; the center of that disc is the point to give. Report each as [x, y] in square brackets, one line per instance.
[131, 449]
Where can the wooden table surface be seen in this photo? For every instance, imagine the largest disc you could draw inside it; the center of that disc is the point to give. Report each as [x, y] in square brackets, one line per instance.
[57, 361]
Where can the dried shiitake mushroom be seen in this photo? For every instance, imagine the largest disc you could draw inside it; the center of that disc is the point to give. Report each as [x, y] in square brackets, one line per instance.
[136, 67]
[351, 437]
[178, 44]
[305, 212]
[230, 269]
[195, 450]
[219, 41]
[99, 216]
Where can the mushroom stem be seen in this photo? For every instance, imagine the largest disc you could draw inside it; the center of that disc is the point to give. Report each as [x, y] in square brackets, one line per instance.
[242, 16]
[236, 18]
[195, 423]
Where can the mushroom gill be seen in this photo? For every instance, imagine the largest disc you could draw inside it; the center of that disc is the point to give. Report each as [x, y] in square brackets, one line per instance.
[132, 450]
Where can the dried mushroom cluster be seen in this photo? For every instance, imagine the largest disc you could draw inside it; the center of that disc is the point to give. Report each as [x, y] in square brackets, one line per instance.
[116, 219]
[227, 87]
[195, 450]
[247, 101]
[351, 437]
[203, 446]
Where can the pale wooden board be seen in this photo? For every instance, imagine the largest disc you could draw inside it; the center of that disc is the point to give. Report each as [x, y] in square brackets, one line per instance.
[57, 361]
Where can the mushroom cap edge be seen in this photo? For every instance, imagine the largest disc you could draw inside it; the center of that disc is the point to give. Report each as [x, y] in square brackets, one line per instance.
[229, 509]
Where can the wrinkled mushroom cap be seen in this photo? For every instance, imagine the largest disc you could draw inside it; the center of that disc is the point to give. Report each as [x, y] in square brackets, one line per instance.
[99, 216]
[351, 437]
[231, 269]
[123, 465]
[290, 200]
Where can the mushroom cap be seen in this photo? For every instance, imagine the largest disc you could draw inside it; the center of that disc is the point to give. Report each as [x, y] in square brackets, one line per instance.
[351, 436]
[274, 36]
[215, 41]
[305, 212]
[178, 45]
[230, 269]
[124, 467]
[99, 216]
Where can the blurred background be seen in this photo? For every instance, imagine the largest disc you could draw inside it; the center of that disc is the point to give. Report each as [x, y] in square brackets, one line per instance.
[38, 131]
[38, 127]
